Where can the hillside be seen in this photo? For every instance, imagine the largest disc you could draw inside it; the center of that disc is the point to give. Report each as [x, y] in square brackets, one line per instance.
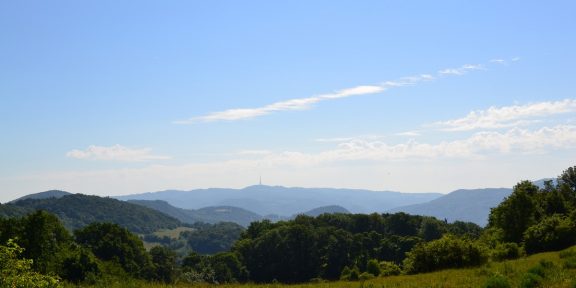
[326, 209]
[211, 215]
[463, 205]
[43, 195]
[285, 201]
[77, 210]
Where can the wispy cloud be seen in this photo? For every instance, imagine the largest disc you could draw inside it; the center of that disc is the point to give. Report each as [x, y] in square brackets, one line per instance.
[508, 116]
[477, 146]
[115, 153]
[306, 103]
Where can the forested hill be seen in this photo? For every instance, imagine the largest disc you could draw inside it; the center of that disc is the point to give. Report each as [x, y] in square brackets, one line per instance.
[44, 195]
[213, 215]
[77, 210]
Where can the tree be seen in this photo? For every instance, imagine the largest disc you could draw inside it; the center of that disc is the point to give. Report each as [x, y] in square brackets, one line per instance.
[516, 213]
[110, 242]
[568, 177]
[554, 232]
[164, 261]
[44, 240]
[16, 272]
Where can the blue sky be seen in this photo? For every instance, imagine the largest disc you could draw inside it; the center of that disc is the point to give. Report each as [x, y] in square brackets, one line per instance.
[118, 97]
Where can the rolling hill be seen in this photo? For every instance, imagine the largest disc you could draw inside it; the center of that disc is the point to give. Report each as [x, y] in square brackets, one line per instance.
[44, 195]
[326, 209]
[285, 201]
[463, 205]
[77, 210]
[213, 214]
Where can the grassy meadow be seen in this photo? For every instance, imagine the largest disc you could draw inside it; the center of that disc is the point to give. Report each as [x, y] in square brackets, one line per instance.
[552, 269]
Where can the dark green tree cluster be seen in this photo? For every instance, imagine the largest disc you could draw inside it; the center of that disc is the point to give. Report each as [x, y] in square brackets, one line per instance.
[539, 218]
[97, 250]
[322, 247]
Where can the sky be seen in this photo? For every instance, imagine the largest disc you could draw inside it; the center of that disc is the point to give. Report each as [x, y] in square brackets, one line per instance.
[119, 97]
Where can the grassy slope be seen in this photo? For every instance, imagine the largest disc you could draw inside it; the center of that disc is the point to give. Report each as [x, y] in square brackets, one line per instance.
[514, 270]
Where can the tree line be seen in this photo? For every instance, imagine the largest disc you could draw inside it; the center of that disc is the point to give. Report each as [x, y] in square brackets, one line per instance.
[327, 247]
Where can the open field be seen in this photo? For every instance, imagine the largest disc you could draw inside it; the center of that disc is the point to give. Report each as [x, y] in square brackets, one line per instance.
[560, 271]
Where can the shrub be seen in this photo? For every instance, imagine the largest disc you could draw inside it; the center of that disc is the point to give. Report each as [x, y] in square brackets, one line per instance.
[497, 281]
[447, 252]
[506, 251]
[530, 280]
[388, 268]
[366, 276]
[373, 267]
[552, 233]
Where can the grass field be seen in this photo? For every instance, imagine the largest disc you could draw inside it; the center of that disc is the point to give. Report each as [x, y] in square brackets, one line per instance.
[557, 269]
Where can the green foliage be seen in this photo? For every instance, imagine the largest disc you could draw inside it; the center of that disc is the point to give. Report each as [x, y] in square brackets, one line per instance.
[516, 213]
[110, 242]
[506, 251]
[44, 239]
[447, 252]
[497, 281]
[530, 280]
[373, 267]
[212, 238]
[388, 268]
[77, 211]
[164, 261]
[18, 273]
[79, 265]
[551, 233]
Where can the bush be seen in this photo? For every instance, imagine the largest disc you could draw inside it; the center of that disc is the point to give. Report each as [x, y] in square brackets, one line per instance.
[389, 268]
[552, 233]
[365, 276]
[373, 267]
[497, 281]
[447, 252]
[530, 280]
[506, 251]
[18, 273]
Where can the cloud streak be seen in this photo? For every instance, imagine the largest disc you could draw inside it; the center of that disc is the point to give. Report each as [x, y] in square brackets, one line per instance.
[115, 153]
[508, 116]
[306, 103]
[477, 146]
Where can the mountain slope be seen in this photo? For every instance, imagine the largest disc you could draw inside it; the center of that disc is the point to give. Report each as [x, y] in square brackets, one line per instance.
[284, 201]
[44, 195]
[212, 215]
[77, 210]
[463, 205]
[326, 209]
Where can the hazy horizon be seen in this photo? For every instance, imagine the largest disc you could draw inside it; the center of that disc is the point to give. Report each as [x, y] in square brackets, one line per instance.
[113, 98]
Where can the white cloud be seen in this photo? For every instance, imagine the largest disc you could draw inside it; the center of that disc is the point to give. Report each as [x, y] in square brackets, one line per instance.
[115, 153]
[508, 116]
[477, 146]
[306, 103]
[408, 134]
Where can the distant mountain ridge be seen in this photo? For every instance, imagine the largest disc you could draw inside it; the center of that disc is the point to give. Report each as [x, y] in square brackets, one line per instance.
[210, 215]
[469, 205]
[286, 201]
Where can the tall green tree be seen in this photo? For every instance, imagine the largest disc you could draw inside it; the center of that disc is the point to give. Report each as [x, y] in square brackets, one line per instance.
[516, 213]
[110, 242]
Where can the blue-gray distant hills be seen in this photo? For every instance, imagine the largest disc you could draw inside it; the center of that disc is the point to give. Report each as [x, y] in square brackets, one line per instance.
[463, 205]
[286, 201]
